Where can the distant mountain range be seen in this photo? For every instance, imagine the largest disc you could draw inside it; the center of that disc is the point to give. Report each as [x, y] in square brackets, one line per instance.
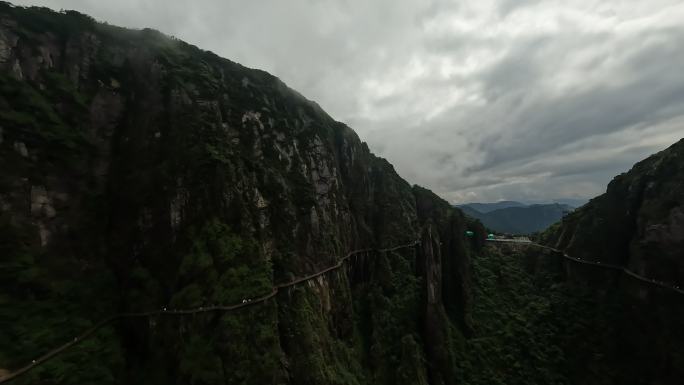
[516, 217]
[489, 207]
[569, 201]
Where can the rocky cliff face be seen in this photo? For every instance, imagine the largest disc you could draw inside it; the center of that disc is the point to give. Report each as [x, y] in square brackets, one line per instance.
[139, 172]
[637, 224]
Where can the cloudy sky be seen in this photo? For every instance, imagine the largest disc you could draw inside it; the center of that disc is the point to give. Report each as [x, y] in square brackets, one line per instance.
[478, 100]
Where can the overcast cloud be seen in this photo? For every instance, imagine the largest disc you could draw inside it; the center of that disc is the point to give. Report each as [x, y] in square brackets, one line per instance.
[478, 100]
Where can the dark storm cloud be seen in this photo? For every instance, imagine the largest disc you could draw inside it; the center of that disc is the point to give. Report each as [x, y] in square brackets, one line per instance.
[478, 100]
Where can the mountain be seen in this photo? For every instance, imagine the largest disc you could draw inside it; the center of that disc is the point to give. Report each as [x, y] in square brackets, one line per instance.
[487, 207]
[602, 303]
[519, 219]
[572, 202]
[168, 216]
[232, 230]
[637, 227]
[637, 223]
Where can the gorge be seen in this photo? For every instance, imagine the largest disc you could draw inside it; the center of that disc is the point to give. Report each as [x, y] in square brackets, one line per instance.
[259, 241]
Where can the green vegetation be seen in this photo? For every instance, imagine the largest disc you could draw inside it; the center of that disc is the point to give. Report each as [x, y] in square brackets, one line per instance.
[220, 268]
[322, 357]
[44, 305]
[38, 20]
[51, 132]
[532, 327]
[393, 305]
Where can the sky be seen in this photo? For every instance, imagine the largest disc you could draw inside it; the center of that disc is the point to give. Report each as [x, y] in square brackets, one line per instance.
[478, 100]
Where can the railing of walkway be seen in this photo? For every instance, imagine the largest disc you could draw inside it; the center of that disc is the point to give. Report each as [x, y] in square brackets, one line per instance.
[625, 270]
[181, 312]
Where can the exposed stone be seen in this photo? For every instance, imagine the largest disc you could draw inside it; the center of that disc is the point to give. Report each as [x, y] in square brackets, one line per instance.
[44, 234]
[20, 148]
[253, 117]
[46, 57]
[41, 204]
[5, 48]
[260, 202]
[16, 70]
[177, 205]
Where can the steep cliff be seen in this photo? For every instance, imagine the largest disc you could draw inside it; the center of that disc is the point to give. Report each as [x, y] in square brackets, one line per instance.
[637, 226]
[138, 172]
[638, 223]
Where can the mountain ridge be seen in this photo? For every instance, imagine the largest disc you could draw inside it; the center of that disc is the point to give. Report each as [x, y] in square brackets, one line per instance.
[523, 219]
[488, 207]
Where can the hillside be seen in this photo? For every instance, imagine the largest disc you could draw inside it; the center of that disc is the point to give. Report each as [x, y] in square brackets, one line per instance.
[141, 174]
[605, 309]
[519, 219]
[638, 226]
[539, 318]
[637, 223]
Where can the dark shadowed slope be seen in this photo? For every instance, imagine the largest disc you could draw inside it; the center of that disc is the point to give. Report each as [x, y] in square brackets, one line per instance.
[637, 224]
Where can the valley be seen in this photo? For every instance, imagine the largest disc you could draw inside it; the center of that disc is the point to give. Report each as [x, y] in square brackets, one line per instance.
[168, 216]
